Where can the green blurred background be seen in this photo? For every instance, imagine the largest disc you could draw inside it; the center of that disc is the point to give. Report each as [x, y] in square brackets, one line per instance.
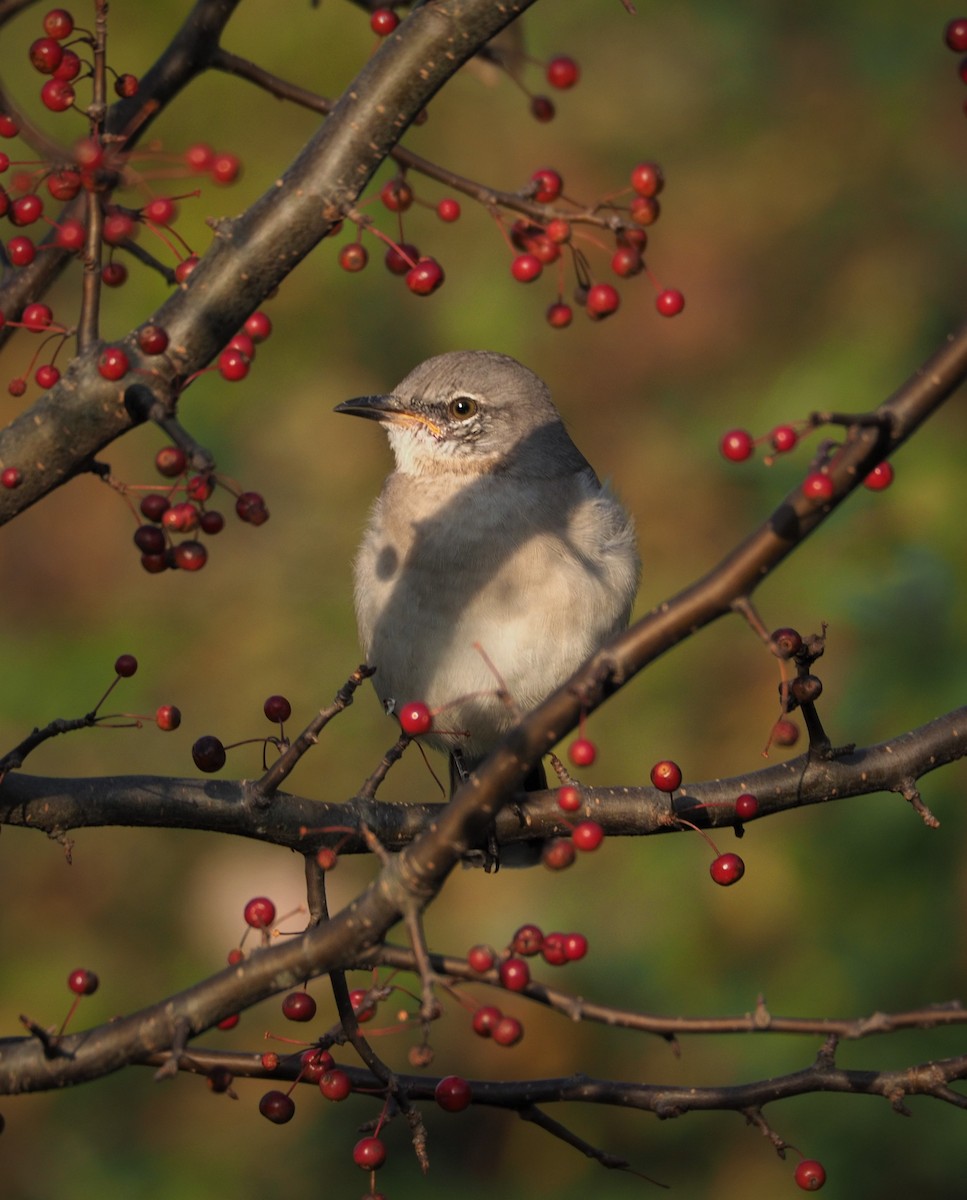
[814, 216]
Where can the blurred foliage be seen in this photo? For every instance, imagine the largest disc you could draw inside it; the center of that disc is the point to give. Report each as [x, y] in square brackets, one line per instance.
[814, 217]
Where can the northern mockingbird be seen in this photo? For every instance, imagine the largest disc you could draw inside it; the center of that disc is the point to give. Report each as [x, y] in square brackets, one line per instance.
[493, 559]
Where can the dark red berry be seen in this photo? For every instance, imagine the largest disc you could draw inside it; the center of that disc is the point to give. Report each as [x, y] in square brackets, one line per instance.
[514, 974]
[250, 507]
[666, 775]
[58, 23]
[152, 340]
[627, 261]
[485, 1019]
[817, 486]
[880, 477]
[154, 506]
[746, 806]
[45, 55]
[114, 274]
[113, 363]
[396, 195]
[298, 1006]
[647, 178]
[402, 258]
[644, 210]
[190, 556]
[383, 21]
[82, 982]
[233, 365]
[277, 1107]
[335, 1084]
[211, 522]
[149, 539]
[258, 326]
[208, 754]
[548, 185]
[25, 210]
[21, 251]
[369, 1153]
[170, 461]
[259, 912]
[36, 317]
[575, 946]
[527, 940]
[481, 958]
[185, 267]
[806, 689]
[727, 869]
[277, 709]
[11, 477]
[507, 1032]
[542, 108]
[552, 950]
[955, 34]
[785, 733]
[453, 1094]
[425, 277]
[557, 854]
[125, 665]
[363, 1006]
[126, 86]
[785, 642]
[315, 1063]
[353, 257]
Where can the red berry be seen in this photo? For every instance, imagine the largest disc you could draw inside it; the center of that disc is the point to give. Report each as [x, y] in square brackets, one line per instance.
[647, 178]
[225, 168]
[8, 126]
[82, 982]
[817, 486]
[229, 1022]
[259, 912]
[557, 854]
[190, 556]
[644, 210]
[258, 326]
[552, 951]
[185, 267]
[526, 268]
[514, 974]
[587, 835]
[400, 259]
[363, 1007]
[114, 274]
[810, 1174]
[180, 518]
[396, 195]
[369, 1153]
[57, 95]
[527, 940]
[448, 209]
[666, 775]
[542, 108]
[559, 315]
[149, 539]
[575, 946]
[125, 665]
[737, 445]
[627, 261]
[315, 1063]
[63, 185]
[559, 230]
[269, 1060]
[670, 302]
[425, 277]
[353, 257]
[485, 1020]
[233, 364]
[45, 55]
[602, 301]
[277, 1107]
[880, 477]
[507, 1032]
[71, 234]
[562, 72]
[70, 66]
[250, 507]
[46, 375]
[160, 211]
[126, 86]
[298, 1006]
[481, 958]
[154, 506]
[17, 387]
[568, 799]
[783, 438]
[582, 752]
[21, 251]
[208, 754]
[383, 21]
[200, 156]
[727, 869]
[168, 717]
[25, 210]
[11, 477]
[785, 733]
[152, 339]
[453, 1094]
[746, 806]
[955, 34]
[415, 718]
[113, 363]
[335, 1085]
[277, 709]
[211, 522]
[58, 23]
[549, 185]
[37, 317]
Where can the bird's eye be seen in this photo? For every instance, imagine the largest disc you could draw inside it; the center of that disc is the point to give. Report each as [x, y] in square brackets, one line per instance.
[462, 407]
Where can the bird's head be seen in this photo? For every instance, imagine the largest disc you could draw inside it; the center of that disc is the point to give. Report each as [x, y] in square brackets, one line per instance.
[470, 411]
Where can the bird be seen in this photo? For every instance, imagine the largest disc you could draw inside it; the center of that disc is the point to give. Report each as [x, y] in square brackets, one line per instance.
[494, 562]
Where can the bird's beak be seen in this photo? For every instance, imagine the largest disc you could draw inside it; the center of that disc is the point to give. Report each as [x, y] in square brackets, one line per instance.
[377, 408]
[387, 408]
